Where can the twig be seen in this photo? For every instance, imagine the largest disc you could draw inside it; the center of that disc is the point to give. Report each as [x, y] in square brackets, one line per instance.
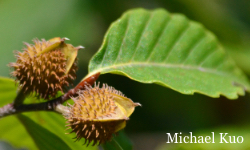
[7, 110]
[14, 108]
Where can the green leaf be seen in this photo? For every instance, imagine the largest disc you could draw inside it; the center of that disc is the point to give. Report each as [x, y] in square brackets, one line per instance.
[169, 50]
[119, 142]
[43, 138]
[13, 131]
[10, 128]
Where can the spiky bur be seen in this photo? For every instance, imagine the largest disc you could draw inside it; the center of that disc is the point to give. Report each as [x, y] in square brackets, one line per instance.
[42, 68]
[98, 113]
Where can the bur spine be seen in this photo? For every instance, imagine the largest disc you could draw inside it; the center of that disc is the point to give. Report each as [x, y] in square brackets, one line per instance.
[40, 68]
[96, 115]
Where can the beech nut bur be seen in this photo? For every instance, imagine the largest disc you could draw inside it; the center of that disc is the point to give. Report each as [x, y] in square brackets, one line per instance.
[98, 113]
[45, 67]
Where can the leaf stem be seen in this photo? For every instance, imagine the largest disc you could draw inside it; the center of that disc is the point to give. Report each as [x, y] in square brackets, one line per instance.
[19, 98]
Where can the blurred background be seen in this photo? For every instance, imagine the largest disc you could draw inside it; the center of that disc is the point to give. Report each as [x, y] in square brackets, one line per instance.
[163, 110]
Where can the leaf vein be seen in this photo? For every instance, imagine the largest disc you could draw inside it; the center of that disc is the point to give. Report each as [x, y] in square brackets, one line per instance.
[104, 55]
[144, 28]
[166, 21]
[120, 48]
[176, 41]
[193, 47]
[207, 56]
[202, 69]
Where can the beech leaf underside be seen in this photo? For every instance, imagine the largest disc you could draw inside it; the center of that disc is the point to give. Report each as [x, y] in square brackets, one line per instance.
[169, 50]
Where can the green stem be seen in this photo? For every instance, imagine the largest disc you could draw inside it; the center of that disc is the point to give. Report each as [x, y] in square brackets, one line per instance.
[19, 98]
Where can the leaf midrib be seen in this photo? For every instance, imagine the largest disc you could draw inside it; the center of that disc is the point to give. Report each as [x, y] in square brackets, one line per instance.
[165, 65]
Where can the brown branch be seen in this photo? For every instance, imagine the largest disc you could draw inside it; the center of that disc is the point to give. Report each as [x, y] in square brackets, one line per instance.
[18, 107]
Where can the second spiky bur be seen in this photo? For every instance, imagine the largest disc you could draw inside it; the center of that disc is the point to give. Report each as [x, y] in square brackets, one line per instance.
[98, 113]
[45, 67]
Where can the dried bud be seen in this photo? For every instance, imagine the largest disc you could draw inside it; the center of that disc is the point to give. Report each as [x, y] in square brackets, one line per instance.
[45, 67]
[98, 113]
